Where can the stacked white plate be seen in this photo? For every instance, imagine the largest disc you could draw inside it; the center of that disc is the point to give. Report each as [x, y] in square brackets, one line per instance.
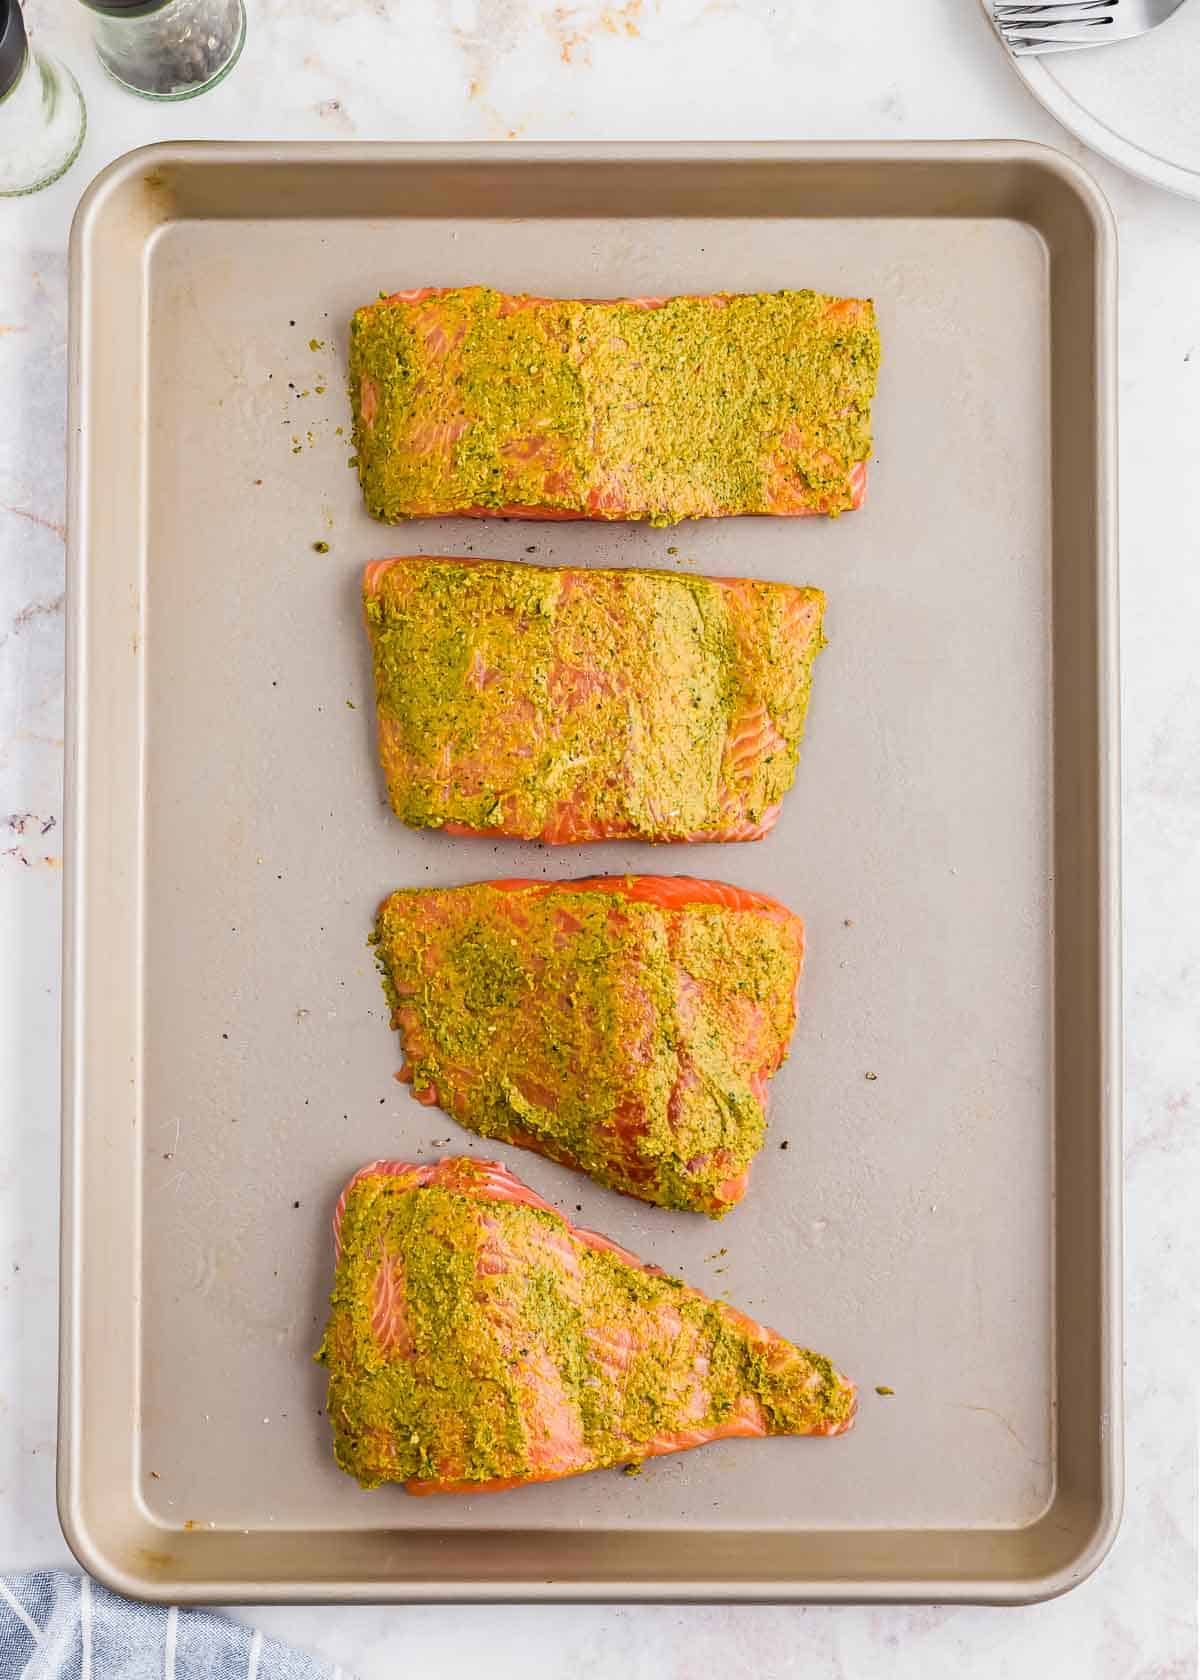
[1136, 102]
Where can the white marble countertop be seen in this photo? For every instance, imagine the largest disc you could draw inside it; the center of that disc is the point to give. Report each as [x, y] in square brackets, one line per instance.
[677, 69]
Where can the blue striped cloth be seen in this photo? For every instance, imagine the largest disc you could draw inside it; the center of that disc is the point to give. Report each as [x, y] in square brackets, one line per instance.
[54, 1624]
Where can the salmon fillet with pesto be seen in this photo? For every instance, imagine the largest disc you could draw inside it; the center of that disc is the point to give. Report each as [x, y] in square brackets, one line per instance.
[623, 1025]
[478, 1341]
[469, 401]
[566, 705]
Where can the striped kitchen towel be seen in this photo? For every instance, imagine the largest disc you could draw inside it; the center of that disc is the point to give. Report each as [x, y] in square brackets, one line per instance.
[53, 1624]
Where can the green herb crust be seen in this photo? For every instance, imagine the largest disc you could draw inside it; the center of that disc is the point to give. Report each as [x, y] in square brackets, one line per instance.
[468, 400]
[629, 1036]
[569, 705]
[504, 1347]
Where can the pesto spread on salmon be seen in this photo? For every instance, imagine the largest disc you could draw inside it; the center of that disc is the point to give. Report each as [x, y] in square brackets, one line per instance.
[470, 401]
[477, 1341]
[626, 1026]
[569, 705]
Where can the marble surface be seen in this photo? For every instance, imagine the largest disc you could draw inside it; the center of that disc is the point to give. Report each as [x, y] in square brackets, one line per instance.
[505, 69]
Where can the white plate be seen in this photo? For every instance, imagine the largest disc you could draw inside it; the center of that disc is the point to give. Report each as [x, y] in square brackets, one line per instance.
[1136, 102]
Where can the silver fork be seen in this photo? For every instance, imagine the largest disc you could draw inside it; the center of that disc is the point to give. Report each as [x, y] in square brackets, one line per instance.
[1067, 25]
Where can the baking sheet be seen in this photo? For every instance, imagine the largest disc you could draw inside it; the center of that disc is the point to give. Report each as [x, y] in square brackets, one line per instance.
[947, 1228]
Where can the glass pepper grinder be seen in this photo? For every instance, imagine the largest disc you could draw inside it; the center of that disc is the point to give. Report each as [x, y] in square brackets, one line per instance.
[169, 49]
[42, 119]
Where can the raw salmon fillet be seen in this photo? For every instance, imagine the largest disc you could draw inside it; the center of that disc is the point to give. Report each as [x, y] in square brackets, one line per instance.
[468, 401]
[568, 705]
[625, 1025]
[478, 1341]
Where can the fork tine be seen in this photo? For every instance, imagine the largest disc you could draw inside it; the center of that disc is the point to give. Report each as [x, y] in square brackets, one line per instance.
[1021, 41]
[1050, 9]
[1018, 16]
[1035, 17]
[1021, 46]
[1068, 29]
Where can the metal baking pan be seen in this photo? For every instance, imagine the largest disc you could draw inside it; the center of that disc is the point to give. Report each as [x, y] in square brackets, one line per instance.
[947, 1229]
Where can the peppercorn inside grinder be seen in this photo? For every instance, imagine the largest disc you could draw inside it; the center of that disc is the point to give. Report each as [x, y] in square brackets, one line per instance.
[168, 49]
